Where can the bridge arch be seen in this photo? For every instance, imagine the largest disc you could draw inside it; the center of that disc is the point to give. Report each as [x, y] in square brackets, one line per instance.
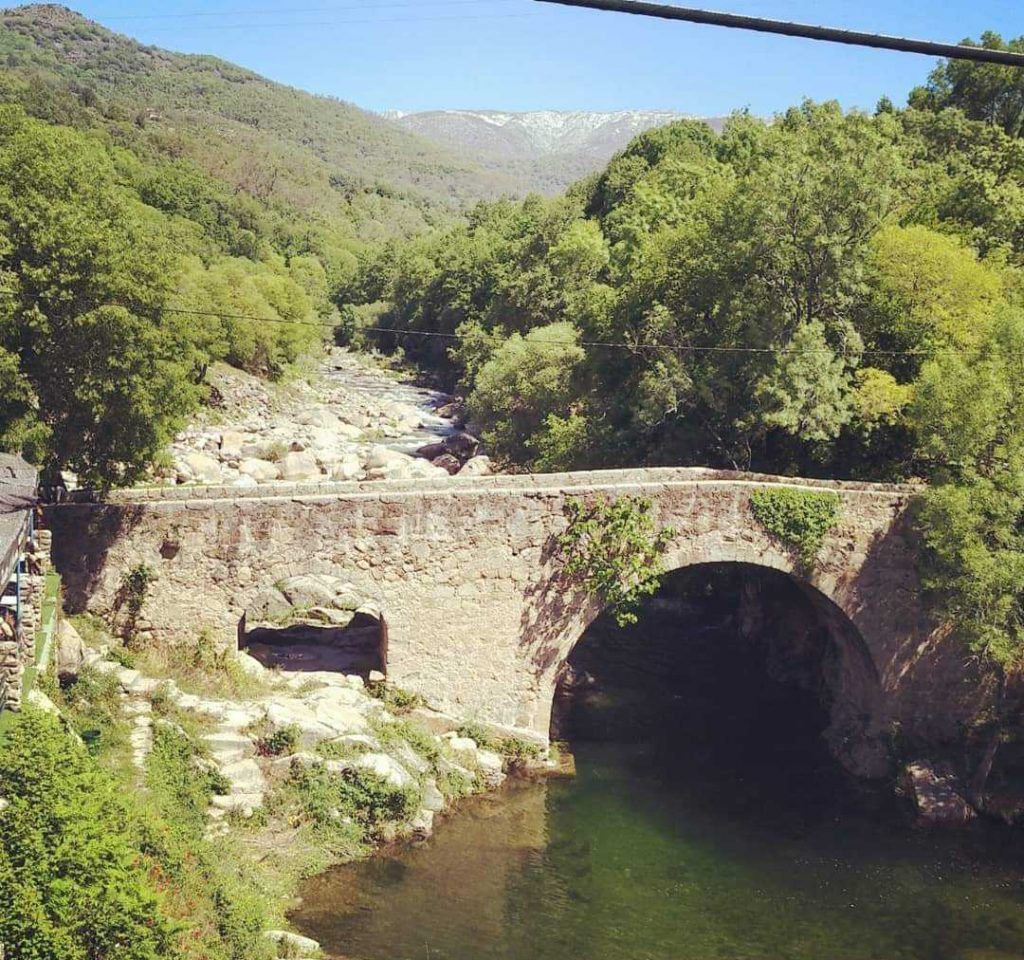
[801, 637]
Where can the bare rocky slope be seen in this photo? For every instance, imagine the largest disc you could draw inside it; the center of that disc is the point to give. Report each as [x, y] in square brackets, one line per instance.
[543, 150]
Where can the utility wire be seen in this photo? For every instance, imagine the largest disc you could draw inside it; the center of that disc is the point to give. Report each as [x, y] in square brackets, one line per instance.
[290, 10]
[554, 341]
[623, 345]
[952, 51]
[279, 25]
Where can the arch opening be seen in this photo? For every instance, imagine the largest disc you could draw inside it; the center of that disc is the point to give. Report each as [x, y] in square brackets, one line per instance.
[732, 668]
[315, 622]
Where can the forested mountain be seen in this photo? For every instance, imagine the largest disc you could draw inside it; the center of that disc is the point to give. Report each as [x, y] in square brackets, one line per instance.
[321, 157]
[541, 151]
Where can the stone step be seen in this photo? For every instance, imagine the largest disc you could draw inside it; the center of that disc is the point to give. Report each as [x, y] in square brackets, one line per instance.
[226, 746]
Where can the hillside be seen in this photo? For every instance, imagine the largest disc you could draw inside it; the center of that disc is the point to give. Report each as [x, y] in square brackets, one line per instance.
[322, 157]
[543, 150]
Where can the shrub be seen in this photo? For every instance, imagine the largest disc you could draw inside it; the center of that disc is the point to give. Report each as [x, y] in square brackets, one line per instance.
[799, 518]
[72, 881]
[477, 732]
[279, 743]
[131, 596]
[328, 800]
[394, 697]
[614, 548]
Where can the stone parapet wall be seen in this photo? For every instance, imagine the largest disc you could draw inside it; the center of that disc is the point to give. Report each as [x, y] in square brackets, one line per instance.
[584, 481]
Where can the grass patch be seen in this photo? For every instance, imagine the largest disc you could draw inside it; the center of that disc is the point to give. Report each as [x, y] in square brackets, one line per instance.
[394, 698]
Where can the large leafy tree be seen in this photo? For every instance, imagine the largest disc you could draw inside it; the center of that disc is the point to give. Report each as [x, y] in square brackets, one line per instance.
[101, 375]
[983, 91]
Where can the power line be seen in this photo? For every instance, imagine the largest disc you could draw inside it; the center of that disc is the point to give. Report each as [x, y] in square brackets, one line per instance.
[280, 25]
[620, 344]
[614, 344]
[292, 10]
[952, 51]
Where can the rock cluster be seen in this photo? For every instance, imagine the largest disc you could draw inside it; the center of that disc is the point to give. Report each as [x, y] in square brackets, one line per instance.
[317, 708]
[352, 423]
[936, 793]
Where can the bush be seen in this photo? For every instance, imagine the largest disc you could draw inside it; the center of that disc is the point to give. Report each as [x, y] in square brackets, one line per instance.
[614, 548]
[279, 743]
[397, 699]
[328, 800]
[73, 884]
[799, 518]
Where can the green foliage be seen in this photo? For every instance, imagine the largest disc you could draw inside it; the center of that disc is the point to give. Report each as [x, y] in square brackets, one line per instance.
[799, 518]
[615, 550]
[330, 802]
[983, 91]
[526, 380]
[969, 408]
[279, 743]
[771, 293]
[395, 698]
[477, 732]
[131, 595]
[72, 883]
[176, 775]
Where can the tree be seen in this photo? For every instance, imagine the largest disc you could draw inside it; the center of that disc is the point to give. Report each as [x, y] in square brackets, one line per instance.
[87, 273]
[525, 380]
[983, 91]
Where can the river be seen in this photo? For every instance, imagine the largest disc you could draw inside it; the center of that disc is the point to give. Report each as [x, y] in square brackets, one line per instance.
[712, 825]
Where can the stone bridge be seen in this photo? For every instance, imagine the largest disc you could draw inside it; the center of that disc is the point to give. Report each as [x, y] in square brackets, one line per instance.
[478, 617]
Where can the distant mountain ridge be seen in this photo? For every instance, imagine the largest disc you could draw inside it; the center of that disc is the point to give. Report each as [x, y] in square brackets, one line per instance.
[543, 150]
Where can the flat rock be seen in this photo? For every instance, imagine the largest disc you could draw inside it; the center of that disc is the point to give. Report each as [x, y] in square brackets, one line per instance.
[935, 794]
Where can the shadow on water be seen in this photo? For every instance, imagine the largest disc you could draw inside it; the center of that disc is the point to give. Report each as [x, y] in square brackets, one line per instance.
[707, 821]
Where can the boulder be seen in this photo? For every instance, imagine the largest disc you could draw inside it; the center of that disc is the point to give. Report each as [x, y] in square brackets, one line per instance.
[308, 590]
[450, 464]
[492, 770]
[385, 767]
[245, 776]
[935, 794]
[231, 443]
[269, 604]
[244, 482]
[260, 470]
[347, 468]
[462, 446]
[299, 465]
[70, 650]
[250, 666]
[292, 944]
[380, 457]
[422, 825]
[202, 467]
[433, 799]
[477, 467]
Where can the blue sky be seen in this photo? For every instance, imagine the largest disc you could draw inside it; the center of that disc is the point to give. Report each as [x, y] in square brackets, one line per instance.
[522, 55]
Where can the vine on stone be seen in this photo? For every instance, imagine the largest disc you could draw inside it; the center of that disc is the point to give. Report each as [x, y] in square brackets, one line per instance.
[131, 595]
[614, 547]
[799, 518]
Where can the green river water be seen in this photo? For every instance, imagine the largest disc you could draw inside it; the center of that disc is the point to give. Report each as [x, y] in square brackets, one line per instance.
[687, 839]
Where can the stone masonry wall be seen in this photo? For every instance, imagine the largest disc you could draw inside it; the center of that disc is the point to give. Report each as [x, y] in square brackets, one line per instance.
[478, 618]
